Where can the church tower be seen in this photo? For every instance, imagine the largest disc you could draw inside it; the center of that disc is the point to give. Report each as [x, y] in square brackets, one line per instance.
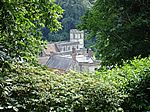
[77, 36]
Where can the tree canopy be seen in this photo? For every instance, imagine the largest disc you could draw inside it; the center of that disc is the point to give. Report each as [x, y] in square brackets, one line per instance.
[74, 9]
[20, 23]
[121, 28]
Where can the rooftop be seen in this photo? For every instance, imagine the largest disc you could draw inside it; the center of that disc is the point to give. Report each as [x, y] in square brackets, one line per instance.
[51, 48]
[60, 62]
[66, 43]
[43, 60]
[76, 31]
[81, 58]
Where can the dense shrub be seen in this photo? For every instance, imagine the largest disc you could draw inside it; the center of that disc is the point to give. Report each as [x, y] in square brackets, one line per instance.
[24, 88]
[133, 80]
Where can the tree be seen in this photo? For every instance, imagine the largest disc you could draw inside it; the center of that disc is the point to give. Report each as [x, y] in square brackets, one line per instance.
[20, 23]
[74, 9]
[121, 28]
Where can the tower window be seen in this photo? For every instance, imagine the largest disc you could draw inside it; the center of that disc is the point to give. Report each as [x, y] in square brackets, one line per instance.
[80, 36]
[69, 48]
[73, 36]
[64, 49]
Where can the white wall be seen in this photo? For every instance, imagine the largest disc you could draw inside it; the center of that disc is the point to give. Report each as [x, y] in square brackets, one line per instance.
[88, 68]
[77, 36]
[81, 45]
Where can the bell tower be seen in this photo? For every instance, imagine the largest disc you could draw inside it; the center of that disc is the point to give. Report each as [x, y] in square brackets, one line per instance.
[77, 36]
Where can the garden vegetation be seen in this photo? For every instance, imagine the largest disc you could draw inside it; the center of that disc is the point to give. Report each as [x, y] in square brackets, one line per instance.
[26, 86]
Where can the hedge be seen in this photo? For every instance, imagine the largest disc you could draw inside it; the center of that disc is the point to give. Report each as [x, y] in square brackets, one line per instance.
[32, 89]
[133, 80]
[26, 88]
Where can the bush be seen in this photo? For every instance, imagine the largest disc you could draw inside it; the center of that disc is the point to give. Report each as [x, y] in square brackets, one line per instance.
[132, 80]
[24, 88]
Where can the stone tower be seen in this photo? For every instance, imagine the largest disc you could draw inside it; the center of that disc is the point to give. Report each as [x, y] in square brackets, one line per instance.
[77, 36]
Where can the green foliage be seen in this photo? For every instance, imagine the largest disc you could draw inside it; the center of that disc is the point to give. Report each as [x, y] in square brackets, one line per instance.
[132, 80]
[20, 24]
[121, 29]
[24, 88]
[55, 37]
[74, 9]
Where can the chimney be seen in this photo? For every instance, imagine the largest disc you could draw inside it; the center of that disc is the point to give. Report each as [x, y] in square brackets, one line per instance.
[74, 54]
[89, 53]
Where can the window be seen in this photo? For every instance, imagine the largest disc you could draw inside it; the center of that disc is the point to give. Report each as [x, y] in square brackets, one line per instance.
[64, 49]
[69, 48]
[73, 36]
[80, 36]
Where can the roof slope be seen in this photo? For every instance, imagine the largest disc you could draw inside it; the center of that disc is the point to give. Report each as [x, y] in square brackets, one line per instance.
[59, 62]
[51, 48]
[43, 60]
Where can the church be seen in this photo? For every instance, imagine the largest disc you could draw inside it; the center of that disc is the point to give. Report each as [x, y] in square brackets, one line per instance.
[69, 55]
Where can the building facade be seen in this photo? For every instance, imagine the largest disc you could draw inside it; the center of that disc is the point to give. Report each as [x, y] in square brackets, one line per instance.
[70, 55]
[77, 36]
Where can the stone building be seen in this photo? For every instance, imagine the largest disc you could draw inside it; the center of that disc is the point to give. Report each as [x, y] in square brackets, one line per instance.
[69, 55]
[62, 63]
[77, 36]
[76, 41]
[79, 63]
